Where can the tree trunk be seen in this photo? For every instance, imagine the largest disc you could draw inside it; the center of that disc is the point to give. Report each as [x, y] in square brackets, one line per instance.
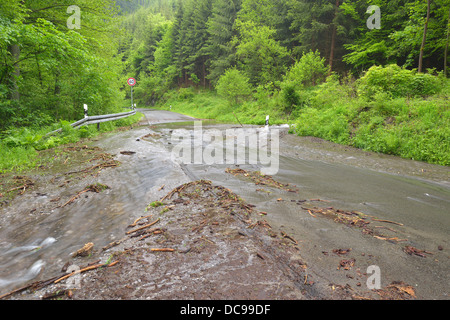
[333, 38]
[424, 38]
[15, 54]
[446, 45]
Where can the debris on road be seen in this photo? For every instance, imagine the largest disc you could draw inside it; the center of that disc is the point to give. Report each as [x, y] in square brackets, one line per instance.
[127, 153]
[260, 179]
[97, 188]
[85, 251]
[414, 251]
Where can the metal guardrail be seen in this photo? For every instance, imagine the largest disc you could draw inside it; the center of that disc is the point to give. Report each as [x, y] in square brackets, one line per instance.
[96, 119]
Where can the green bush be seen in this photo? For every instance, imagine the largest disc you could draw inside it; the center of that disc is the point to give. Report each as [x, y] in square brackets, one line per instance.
[397, 82]
[310, 70]
[233, 85]
[331, 124]
[186, 93]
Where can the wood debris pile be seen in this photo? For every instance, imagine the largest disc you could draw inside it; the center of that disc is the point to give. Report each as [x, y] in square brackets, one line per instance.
[98, 187]
[397, 290]
[356, 219]
[22, 183]
[260, 179]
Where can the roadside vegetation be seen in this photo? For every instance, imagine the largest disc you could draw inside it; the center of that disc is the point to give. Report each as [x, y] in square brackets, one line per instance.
[407, 115]
[20, 149]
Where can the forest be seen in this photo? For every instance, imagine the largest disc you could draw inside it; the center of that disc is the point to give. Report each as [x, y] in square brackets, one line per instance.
[368, 73]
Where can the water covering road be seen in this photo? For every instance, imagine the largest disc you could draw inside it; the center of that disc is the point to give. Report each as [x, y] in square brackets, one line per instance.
[413, 194]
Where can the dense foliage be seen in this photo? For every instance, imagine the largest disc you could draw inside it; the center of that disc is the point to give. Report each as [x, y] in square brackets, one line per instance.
[193, 42]
[48, 70]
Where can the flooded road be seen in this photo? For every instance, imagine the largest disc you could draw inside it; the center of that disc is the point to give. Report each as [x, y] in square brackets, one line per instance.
[36, 238]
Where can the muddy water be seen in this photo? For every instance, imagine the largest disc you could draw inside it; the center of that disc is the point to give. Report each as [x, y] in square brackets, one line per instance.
[37, 239]
[35, 244]
[414, 195]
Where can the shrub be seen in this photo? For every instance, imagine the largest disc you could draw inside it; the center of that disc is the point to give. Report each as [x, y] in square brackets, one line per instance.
[397, 82]
[186, 94]
[233, 85]
[310, 70]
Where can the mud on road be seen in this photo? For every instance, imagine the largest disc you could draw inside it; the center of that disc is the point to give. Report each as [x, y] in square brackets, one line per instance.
[200, 241]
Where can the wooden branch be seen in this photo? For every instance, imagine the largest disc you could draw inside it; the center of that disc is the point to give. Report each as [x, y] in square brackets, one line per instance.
[74, 197]
[95, 266]
[381, 220]
[41, 284]
[162, 249]
[143, 227]
[285, 235]
[137, 220]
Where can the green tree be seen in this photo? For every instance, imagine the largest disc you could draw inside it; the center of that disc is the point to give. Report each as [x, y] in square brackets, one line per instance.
[221, 31]
[48, 69]
[309, 70]
[263, 58]
[233, 85]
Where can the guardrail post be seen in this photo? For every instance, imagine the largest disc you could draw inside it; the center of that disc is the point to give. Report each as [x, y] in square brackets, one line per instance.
[85, 111]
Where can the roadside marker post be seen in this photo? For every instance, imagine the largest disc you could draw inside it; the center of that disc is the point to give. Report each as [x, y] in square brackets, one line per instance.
[131, 82]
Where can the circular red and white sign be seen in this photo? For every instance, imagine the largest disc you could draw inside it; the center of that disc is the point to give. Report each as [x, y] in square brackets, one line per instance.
[131, 81]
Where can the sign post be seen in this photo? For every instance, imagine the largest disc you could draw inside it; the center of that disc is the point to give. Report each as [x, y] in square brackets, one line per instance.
[131, 82]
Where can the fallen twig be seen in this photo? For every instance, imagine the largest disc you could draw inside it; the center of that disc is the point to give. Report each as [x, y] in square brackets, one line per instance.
[411, 250]
[309, 211]
[381, 220]
[389, 239]
[137, 220]
[143, 227]
[95, 266]
[285, 235]
[91, 188]
[151, 232]
[40, 284]
[162, 250]
[113, 244]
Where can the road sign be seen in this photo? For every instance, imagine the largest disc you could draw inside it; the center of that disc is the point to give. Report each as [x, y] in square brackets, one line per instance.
[131, 81]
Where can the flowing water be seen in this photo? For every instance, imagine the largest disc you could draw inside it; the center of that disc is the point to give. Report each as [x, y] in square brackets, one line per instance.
[34, 245]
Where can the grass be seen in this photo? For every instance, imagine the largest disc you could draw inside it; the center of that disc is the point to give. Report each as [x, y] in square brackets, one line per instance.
[206, 104]
[20, 148]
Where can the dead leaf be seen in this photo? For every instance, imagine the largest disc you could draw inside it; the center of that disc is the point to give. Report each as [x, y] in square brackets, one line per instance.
[403, 288]
[347, 264]
[341, 251]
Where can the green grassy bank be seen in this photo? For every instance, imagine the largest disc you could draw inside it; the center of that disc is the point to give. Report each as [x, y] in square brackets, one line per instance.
[374, 118]
[19, 148]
